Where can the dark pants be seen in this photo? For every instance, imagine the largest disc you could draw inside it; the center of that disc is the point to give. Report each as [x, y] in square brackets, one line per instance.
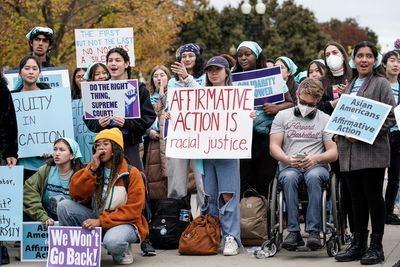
[345, 199]
[393, 172]
[260, 170]
[366, 196]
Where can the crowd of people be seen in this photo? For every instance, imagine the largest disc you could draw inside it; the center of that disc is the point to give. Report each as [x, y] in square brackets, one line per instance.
[59, 188]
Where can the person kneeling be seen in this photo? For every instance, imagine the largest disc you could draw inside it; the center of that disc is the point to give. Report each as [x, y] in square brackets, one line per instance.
[115, 205]
[303, 149]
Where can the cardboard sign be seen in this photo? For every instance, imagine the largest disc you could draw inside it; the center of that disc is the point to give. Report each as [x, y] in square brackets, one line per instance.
[210, 122]
[111, 98]
[34, 244]
[358, 117]
[74, 246]
[92, 45]
[55, 77]
[83, 136]
[268, 83]
[11, 184]
[43, 116]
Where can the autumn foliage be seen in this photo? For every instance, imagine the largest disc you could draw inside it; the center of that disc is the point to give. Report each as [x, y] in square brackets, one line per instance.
[155, 24]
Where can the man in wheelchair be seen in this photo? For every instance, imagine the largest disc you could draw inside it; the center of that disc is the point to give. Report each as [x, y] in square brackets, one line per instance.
[303, 149]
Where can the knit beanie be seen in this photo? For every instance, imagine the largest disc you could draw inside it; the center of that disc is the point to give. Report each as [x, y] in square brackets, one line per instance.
[113, 134]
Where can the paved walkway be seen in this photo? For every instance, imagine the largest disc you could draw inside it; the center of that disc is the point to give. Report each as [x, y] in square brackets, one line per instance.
[282, 259]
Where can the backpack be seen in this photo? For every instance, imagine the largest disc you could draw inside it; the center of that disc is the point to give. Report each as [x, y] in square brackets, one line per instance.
[147, 209]
[253, 218]
[170, 219]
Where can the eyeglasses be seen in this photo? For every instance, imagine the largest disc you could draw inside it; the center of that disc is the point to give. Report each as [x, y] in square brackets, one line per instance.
[303, 102]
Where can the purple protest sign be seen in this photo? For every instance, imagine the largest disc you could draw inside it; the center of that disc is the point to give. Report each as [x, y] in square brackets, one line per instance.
[111, 98]
[74, 246]
[268, 84]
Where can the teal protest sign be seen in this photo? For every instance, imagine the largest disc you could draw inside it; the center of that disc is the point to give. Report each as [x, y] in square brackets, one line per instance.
[43, 116]
[34, 244]
[82, 134]
[56, 77]
[11, 183]
[358, 117]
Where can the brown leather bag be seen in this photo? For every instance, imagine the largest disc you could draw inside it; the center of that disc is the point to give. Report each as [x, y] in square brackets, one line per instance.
[201, 237]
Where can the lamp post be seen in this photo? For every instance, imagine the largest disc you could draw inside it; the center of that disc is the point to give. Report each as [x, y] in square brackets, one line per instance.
[253, 28]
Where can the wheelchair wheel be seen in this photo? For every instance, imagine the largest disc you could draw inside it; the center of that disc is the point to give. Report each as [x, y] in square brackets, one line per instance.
[273, 204]
[332, 247]
[270, 248]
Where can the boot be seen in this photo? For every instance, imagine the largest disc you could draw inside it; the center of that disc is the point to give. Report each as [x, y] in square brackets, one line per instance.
[5, 259]
[356, 249]
[374, 254]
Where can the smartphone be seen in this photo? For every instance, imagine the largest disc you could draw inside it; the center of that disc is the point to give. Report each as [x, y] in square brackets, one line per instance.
[178, 58]
[300, 155]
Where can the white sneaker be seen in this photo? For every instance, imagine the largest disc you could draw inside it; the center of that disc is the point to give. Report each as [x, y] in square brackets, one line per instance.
[231, 247]
[127, 258]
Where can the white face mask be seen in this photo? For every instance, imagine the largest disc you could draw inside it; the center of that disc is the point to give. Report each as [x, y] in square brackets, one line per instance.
[305, 110]
[335, 62]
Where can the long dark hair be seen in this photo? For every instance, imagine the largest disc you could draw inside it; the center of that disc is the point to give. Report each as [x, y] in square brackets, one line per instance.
[346, 67]
[116, 161]
[124, 55]
[95, 67]
[322, 69]
[374, 50]
[75, 90]
[23, 62]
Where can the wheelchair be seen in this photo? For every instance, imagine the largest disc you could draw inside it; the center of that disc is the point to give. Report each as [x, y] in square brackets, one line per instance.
[332, 232]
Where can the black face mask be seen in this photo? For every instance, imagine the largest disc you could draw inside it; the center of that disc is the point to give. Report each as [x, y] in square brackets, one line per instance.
[309, 116]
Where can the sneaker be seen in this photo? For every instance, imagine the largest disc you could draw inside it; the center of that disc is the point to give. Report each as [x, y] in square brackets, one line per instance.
[392, 219]
[292, 241]
[231, 247]
[397, 264]
[147, 248]
[127, 257]
[314, 240]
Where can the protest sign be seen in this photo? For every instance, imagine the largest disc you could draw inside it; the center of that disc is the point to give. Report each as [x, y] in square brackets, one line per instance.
[82, 134]
[11, 183]
[43, 116]
[34, 243]
[92, 45]
[111, 98]
[74, 246]
[268, 84]
[210, 122]
[56, 77]
[358, 117]
[397, 115]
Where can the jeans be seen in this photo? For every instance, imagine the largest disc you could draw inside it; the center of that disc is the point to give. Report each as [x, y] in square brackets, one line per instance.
[178, 173]
[116, 239]
[223, 176]
[314, 177]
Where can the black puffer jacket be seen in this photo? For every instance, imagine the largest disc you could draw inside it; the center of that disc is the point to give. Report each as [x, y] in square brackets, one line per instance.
[8, 123]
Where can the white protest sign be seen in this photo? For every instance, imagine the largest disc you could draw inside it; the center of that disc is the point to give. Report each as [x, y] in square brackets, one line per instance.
[92, 45]
[210, 122]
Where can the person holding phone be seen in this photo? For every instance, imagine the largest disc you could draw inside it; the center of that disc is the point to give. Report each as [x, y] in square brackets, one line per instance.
[103, 200]
[189, 72]
[304, 150]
